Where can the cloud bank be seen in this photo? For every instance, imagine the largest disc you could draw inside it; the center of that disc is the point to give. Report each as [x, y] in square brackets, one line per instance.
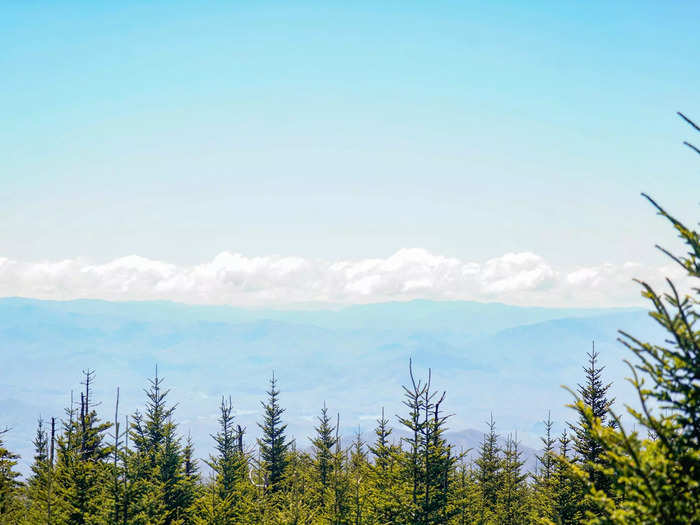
[277, 281]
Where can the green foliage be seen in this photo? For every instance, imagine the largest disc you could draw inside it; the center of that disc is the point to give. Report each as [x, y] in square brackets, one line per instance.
[9, 484]
[323, 445]
[544, 480]
[656, 476]
[652, 474]
[81, 473]
[513, 492]
[160, 490]
[273, 443]
[488, 473]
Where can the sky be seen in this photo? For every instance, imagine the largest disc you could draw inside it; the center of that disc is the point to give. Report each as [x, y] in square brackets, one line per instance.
[290, 152]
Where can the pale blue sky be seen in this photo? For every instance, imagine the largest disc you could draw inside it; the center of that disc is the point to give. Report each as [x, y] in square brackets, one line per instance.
[177, 130]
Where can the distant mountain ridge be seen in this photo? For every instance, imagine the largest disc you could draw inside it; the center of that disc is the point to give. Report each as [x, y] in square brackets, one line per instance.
[489, 357]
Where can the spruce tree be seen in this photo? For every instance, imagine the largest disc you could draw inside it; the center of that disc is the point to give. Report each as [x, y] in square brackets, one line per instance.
[81, 472]
[38, 493]
[161, 491]
[223, 499]
[593, 393]
[488, 472]
[9, 484]
[512, 506]
[322, 445]
[387, 487]
[357, 476]
[428, 460]
[544, 478]
[465, 497]
[567, 487]
[411, 456]
[228, 463]
[654, 475]
[273, 443]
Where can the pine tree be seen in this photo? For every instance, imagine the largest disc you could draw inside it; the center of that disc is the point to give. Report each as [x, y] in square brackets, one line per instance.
[339, 509]
[161, 491]
[411, 458]
[654, 477]
[357, 475]
[594, 396]
[81, 471]
[428, 460]
[465, 497]
[488, 472]
[322, 446]
[223, 500]
[437, 459]
[512, 506]
[9, 484]
[273, 443]
[567, 486]
[387, 489]
[544, 478]
[294, 502]
[38, 494]
[229, 464]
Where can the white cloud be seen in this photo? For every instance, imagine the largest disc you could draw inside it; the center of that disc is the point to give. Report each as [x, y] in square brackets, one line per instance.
[231, 278]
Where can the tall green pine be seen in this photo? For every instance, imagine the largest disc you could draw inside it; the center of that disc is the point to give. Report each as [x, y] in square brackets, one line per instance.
[273, 442]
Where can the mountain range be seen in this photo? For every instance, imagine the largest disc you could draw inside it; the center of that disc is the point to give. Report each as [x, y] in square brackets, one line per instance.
[490, 358]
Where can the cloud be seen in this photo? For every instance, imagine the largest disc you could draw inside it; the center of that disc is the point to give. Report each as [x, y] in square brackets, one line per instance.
[231, 278]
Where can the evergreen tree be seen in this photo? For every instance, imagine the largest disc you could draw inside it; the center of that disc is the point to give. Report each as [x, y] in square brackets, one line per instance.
[9, 484]
[358, 470]
[387, 488]
[322, 446]
[543, 479]
[567, 487]
[594, 396]
[512, 506]
[488, 472]
[223, 500]
[428, 460]
[654, 478]
[229, 464]
[39, 497]
[465, 497]
[273, 443]
[81, 473]
[295, 503]
[161, 491]
[339, 509]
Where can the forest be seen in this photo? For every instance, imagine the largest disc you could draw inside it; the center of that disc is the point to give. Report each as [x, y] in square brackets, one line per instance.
[139, 469]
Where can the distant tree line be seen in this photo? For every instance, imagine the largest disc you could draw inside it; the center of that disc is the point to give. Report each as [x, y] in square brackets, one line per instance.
[597, 471]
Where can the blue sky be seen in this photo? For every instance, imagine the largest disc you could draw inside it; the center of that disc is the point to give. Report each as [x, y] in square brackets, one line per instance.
[176, 131]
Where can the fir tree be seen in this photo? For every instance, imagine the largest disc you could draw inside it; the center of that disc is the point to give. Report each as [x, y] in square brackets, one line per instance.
[594, 395]
[513, 490]
[273, 443]
[9, 484]
[567, 486]
[161, 491]
[39, 498]
[386, 486]
[322, 446]
[464, 494]
[488, 472]
[81, 473]
[544, 478]
[357, 477]
[223, 500]
[654, 477]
